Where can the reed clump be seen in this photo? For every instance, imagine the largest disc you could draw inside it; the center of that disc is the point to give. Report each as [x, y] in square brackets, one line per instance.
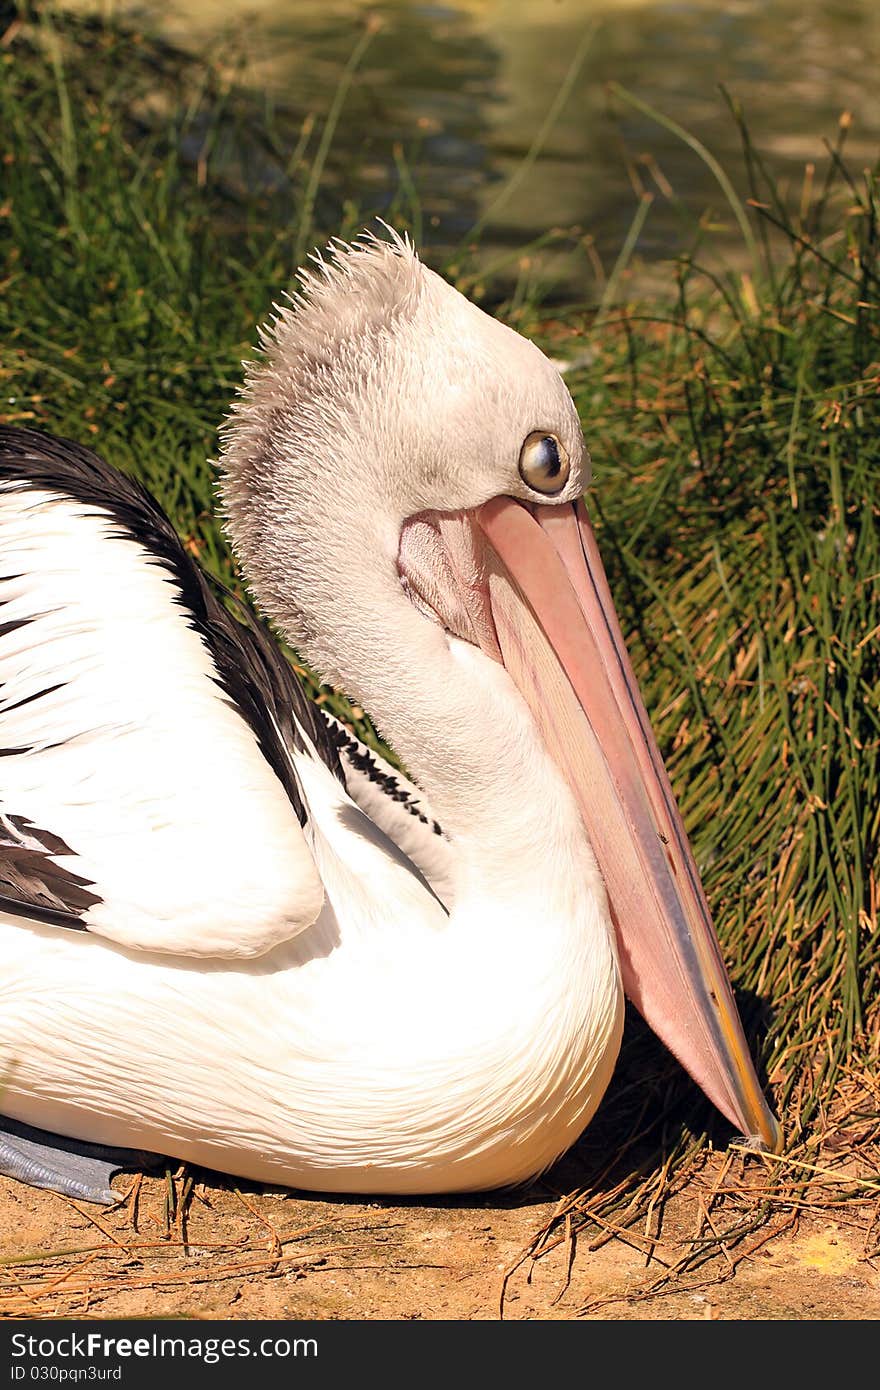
[737, 436]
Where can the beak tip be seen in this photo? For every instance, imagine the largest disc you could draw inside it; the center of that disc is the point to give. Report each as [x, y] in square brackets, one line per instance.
[768, 1137]
[776, 1142]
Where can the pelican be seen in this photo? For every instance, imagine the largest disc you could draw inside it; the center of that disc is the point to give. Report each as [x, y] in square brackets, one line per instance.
[231, 932]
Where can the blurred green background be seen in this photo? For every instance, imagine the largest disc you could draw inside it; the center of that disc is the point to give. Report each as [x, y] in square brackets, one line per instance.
[461, 90]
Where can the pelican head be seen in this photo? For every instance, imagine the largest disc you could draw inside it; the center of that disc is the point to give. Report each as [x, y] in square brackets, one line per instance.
[382, 393]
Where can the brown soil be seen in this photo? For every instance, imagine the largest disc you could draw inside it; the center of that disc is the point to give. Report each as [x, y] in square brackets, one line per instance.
[247, 1253]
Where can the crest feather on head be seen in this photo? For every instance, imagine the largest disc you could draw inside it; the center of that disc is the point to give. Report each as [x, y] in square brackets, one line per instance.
[350, 298]
[356, 285]
[350, 295]
[316, 352]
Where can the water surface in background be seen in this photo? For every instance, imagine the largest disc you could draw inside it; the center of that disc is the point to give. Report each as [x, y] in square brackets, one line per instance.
[452, 96]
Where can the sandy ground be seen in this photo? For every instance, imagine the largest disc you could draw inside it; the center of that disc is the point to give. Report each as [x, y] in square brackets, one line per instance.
[707, 1231]
[247, 1253]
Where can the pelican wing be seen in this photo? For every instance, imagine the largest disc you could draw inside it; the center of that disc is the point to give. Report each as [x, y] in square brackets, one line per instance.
[147, 785]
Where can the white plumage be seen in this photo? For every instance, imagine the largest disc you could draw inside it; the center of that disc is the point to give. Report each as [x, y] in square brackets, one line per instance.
[298, 965]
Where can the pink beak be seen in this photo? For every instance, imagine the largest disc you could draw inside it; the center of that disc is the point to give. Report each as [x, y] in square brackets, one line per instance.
[536, 597]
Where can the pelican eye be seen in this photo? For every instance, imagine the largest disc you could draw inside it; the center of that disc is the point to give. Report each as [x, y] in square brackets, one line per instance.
[543, 463]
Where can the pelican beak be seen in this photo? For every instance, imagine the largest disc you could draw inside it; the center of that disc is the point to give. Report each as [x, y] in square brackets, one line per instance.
[558, 636]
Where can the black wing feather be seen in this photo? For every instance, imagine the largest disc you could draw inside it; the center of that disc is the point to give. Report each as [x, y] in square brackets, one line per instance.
[251, 670]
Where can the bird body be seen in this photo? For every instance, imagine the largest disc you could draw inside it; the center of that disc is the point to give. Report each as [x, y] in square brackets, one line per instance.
[373, 1047]
[233, 934]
